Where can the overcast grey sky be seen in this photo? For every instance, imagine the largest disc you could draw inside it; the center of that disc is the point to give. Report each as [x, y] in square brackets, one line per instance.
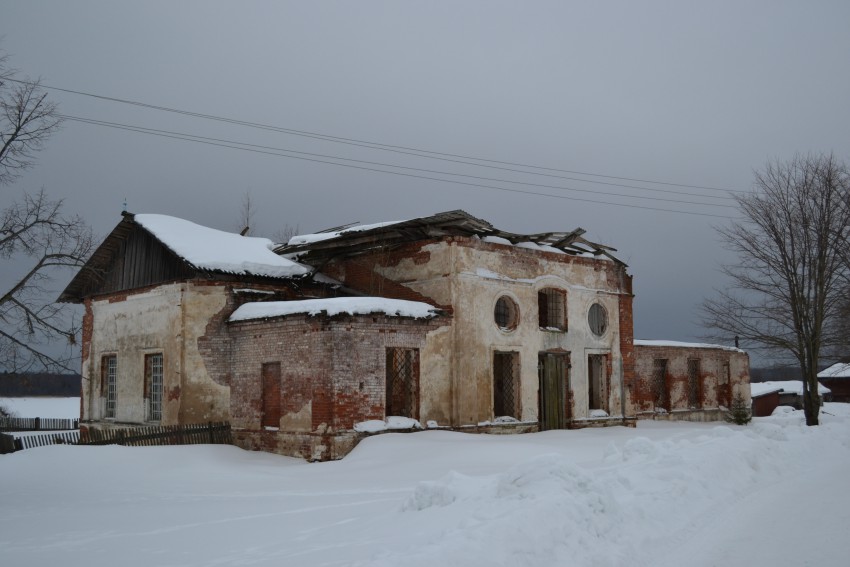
[695, 93]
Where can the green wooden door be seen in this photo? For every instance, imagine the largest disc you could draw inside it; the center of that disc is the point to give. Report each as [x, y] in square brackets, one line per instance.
[552, 373]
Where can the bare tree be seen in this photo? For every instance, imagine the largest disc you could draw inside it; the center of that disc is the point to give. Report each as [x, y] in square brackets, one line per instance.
[36, 240]
[39, 241]
[788, 285]
[246, 214]
[27, 119]
[282, 235]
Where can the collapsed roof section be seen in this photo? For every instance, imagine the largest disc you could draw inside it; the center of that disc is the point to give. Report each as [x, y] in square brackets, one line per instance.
[353, 239]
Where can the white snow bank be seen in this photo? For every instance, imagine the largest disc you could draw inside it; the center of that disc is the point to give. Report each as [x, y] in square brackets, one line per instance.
[654, 343]
[664, 494]
[61, 408]
[335, 306]
[210, 249]
[838, 370]
[786, 386]
[320, 236]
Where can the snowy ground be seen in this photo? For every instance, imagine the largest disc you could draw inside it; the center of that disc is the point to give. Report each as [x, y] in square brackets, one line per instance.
[64, 408]
[661, 495]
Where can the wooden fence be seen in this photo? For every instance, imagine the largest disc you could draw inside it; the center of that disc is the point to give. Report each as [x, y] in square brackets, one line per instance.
[37, 424]
[192, 434]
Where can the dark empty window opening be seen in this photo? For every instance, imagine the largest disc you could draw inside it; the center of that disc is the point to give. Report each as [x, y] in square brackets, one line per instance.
[108, 383]
[153, 386]
[552, 309]
[506, 384]
[597, 382]
[271, 395]
[693, 383]
[506, 313]
[659, 383]
[597, 318]
[403, 382]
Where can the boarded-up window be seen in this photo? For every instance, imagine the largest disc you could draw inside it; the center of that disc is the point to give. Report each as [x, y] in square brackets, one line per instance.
[506, 384]
[403, 382]
[552, 309]
[271, 395]
[659, 382]
[693, 383]
[108, 379]
[153, 385]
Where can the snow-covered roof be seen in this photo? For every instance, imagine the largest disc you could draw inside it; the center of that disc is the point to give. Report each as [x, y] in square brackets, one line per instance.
[215, 250]
[785, 386]
[327, 235]
[335, 306]
[680, 344]
[837, 370]
[762, 388]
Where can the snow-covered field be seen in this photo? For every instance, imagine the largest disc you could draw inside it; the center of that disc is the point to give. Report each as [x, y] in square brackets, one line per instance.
[64, 408]
[662, 495]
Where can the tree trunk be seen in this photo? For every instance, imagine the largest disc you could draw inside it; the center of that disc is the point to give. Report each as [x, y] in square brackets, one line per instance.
[811, 398]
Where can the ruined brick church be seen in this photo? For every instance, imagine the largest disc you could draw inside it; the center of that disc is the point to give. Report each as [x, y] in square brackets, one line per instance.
[437, 322]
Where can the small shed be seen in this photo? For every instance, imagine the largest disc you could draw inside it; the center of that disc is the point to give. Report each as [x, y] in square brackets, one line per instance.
[837, 379]
[765, 398]
[790, 392]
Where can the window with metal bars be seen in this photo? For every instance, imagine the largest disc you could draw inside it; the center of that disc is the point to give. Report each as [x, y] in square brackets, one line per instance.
[506, 313]
[659, 382]
[403, 382]
[597, 319]
[153, 386]
[693, 382]
[552, 309]
[506, 384]
[108, 379]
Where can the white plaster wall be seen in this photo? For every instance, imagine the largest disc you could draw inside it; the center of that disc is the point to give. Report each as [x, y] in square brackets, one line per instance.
[167, 319]
[471, 278]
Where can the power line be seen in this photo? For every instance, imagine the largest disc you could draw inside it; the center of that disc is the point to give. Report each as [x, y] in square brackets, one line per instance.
[429, 154]
[143, 129]
[248, 148]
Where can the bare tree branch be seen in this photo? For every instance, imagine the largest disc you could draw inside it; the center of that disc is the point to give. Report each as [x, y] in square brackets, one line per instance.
[37, 241]
[27, 120]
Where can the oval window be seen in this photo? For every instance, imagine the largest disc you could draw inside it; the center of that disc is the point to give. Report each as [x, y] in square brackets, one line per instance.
[506, 313]
[597, 318]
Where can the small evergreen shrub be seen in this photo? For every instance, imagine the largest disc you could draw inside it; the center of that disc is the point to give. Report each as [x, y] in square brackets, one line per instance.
[740, 412]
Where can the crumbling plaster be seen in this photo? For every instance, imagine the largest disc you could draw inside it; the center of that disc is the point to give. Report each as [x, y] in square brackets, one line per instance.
[715, 390]
[470, 275]
[165, 319]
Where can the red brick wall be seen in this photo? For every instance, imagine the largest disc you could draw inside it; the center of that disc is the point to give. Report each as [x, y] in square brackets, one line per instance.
[712, 391]
[332, 374]
[632, 388]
